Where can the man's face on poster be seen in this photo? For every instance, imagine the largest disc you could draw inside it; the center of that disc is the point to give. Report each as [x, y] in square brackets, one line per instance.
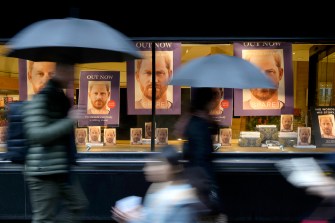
[267, 63]
[304, 135]
[99, 95]
[110, 136]
[287, 122]
[163, 75]
[39, 73]
[148, 129]
[2, 134]
[136, 135]
[326, 125]
[162, 134]
[225, 136]
[95, 133]
[81, 136]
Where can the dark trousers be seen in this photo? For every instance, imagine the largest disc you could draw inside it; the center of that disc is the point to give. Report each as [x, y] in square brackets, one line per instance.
[48, 192]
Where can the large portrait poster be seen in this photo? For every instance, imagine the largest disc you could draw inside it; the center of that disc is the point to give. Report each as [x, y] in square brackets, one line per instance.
[222, 112]
[275, 59]
[34, 75]
[99, 97]
[323, 126]
[139, 80]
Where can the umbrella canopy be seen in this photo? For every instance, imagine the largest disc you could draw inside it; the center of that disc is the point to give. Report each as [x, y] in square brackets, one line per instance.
[222, 71]
[71, 40]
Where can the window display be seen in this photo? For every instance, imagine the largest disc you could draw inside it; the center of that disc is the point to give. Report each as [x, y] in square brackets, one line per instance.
[116, 125]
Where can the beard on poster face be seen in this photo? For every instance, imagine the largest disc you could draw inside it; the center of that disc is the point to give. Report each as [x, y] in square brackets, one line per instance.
[95, 137]
[160, 91]
[81, 139]
[98, 104]
[110, 139]
[263, 94]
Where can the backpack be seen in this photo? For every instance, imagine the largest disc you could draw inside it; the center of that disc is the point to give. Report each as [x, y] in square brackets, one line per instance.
[17, 144]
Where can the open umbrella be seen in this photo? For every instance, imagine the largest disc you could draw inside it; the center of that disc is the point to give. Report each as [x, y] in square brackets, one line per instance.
[222, 71]
[71, 40]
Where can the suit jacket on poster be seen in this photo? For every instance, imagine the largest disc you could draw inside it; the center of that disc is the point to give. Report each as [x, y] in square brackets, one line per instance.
[49, 131]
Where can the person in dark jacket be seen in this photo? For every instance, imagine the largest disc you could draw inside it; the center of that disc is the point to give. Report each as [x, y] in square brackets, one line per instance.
[197, 127]
[49, 126]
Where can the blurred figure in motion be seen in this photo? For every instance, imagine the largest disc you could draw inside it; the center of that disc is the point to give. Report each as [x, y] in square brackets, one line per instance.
[169, 199]
[49, 124]
[326, 191]
[197, 127]
[326, 209]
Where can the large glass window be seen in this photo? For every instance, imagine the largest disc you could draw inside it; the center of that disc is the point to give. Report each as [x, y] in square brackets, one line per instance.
[9, 90]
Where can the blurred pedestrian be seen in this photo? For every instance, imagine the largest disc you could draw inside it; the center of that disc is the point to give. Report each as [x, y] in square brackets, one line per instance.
[325, 211]
[197, 127]
[49, 126]
[169, 199]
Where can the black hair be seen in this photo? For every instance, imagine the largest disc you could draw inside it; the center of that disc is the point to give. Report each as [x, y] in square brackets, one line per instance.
[200, 98]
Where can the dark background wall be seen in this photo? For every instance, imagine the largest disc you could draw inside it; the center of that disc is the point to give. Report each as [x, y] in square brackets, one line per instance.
[168, 19]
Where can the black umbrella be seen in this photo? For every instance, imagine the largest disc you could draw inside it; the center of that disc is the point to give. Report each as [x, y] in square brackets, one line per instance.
[71, 40]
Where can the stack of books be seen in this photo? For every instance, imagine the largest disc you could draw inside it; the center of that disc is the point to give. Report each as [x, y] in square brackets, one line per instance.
[268, 132]
[288, 138]
[249, 138]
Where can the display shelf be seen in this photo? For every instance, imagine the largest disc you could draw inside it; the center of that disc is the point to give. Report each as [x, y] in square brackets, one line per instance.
[125, 146]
